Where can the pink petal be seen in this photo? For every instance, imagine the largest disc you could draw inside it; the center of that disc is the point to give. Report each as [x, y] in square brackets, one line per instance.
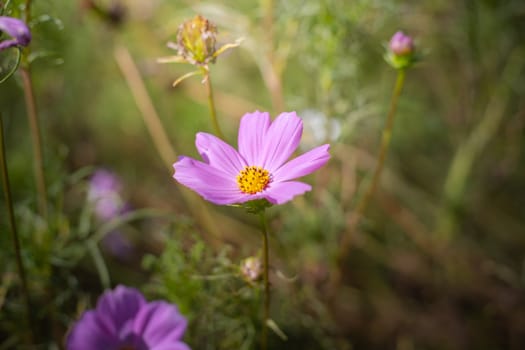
[219, 154]
[252, 132]
[282, 139]
[88, 333]
[177, 346]
[282, 192]
[115, 307]
[211, 183]
[159, 324]
[304, 164]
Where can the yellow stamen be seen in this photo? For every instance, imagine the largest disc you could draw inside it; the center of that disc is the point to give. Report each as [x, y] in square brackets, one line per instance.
[253, 179]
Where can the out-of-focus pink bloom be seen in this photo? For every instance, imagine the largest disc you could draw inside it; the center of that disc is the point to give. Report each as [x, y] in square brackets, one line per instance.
[104, 195]
[123, 319]
[17, 30]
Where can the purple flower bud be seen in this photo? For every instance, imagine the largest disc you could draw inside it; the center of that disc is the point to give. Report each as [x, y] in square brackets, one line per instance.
[18, 30]
[401, 44]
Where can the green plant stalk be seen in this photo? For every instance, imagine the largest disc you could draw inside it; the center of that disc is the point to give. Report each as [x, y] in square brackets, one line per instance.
[471, 149]
[271, 65]
[266, 259]
[100, 264]
[12, 224]
[27, 11]
[385, 144]
[38, 162]
[157, 132]
[145, 105]
[211, 103]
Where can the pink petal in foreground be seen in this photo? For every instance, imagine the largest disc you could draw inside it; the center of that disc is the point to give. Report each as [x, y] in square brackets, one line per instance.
[304, 164]
[281, 140]
[282, 192]
[252, 132]
[219, 154]
[211, 183]
[159, 323]
[89, 333]
[119, 305]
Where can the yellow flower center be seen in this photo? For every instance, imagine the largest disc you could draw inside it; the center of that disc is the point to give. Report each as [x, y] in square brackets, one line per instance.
[253, 179]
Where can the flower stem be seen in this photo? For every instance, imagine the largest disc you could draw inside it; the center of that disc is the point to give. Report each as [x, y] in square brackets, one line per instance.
[12, 223]
[37, 141]
[27, 11]
[211, 103]
[471, 149]
[266, 314]
[385, 143]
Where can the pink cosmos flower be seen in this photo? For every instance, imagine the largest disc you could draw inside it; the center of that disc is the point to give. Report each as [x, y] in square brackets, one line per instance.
[259, 169]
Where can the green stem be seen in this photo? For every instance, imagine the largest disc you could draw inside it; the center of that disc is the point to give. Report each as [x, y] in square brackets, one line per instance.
[12, 223]
[211, 103]
[15, 66]
[37, 141]
[266, 259]
[473, 146]
[100, 264]
[27, 12]
[385, 143]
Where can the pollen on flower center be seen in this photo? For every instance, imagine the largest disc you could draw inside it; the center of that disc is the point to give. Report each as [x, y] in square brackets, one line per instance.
[253, 179]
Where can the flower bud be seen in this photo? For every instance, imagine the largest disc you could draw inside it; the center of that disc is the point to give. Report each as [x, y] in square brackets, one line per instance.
[401, 44]
[196, 40]
[251, 268]
[400, 51]
[18, 30]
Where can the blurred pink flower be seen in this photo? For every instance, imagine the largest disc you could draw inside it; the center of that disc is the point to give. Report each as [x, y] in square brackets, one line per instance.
[104, 194]
[123, 319]
[17, 30]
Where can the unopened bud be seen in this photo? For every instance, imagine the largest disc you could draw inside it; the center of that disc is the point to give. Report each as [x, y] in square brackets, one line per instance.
[401, 44]
[251, 268]
[400, 52]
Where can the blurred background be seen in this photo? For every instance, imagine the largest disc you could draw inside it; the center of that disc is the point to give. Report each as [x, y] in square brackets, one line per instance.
[436, 262]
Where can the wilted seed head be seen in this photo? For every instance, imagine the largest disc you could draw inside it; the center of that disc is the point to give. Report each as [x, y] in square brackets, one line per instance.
[196, 40]
[401, 44]
[251, 268]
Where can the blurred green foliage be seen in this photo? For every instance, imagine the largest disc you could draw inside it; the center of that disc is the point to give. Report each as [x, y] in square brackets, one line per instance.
[436, 263]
